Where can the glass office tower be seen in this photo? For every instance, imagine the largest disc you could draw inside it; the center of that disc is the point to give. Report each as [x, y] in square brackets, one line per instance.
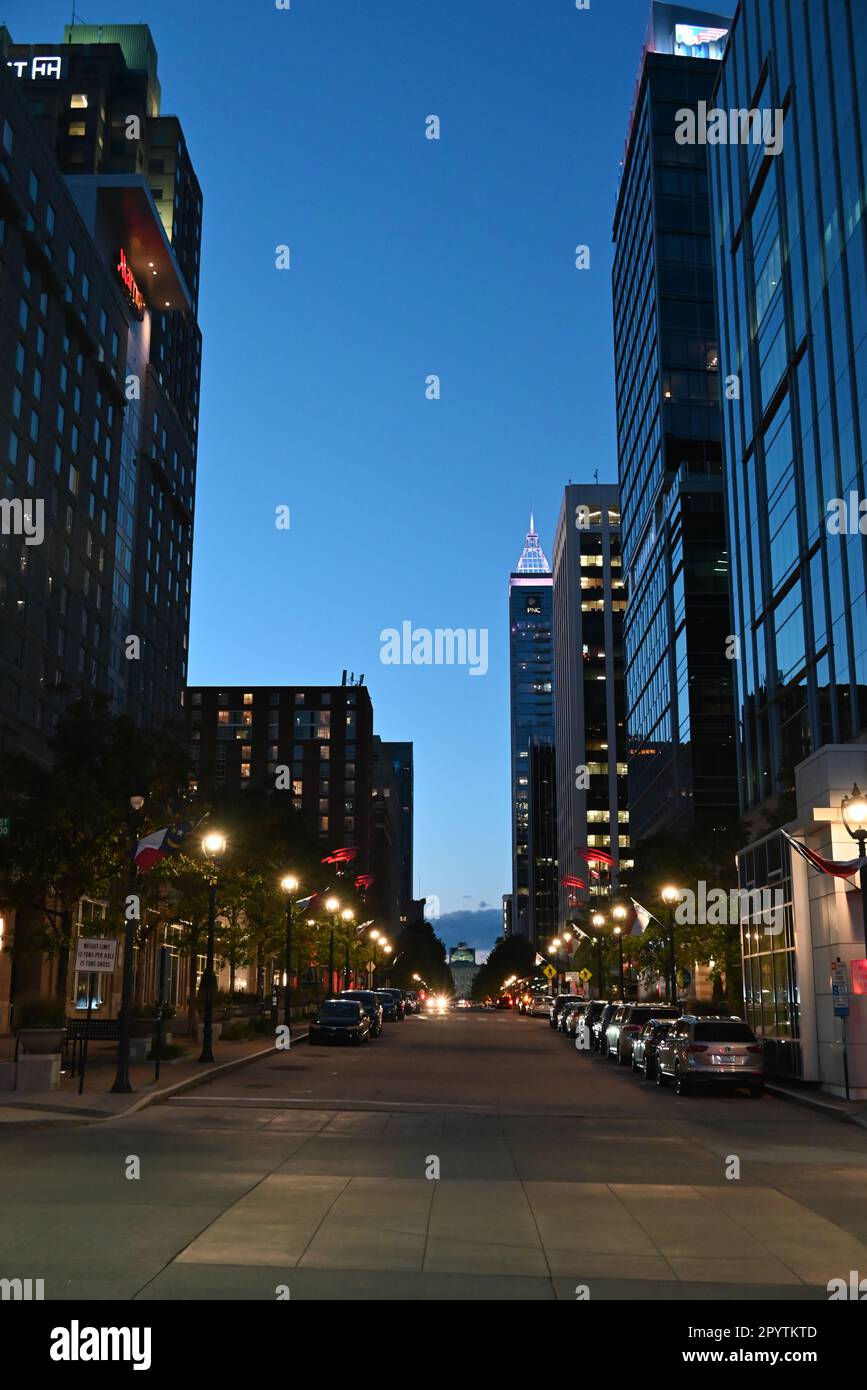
[531, 666]
[678, 679]
[789, 233]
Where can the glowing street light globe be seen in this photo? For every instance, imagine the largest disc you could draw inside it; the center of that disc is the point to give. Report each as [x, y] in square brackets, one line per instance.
[670, 894]
[213, 843]
[332, 904]
[289, 884]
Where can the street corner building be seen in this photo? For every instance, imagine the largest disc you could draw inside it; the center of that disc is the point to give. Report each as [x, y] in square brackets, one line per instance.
[100, 353]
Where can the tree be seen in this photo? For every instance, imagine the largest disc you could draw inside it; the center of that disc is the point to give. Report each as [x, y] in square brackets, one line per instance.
[512, 955]
[419, 951]
[71, 821]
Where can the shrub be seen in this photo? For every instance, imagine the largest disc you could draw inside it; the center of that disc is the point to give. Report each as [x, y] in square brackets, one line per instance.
[39, 1011]
[239, 1031]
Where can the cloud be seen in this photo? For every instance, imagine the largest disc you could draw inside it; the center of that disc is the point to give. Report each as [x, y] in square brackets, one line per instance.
[479, 929]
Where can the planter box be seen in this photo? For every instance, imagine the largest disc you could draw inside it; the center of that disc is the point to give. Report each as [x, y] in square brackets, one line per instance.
[37, 1073]
[39, 1041]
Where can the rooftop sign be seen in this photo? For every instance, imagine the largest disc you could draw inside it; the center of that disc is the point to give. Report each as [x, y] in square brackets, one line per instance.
[134, 294]
[36, 67]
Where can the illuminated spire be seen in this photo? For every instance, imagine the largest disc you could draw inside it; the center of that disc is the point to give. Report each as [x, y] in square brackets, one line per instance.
[533, 558]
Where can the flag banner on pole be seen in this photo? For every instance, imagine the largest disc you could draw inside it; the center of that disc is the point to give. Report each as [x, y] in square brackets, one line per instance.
[152, 848]
[540, 960]
[643, 919]
[340, 856]
[835, 868]
[305, 902]
[580, 932]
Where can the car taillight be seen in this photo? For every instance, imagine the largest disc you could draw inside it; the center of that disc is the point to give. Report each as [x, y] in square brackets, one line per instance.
[697, 1047]
[631, 1028]
[754, 1047]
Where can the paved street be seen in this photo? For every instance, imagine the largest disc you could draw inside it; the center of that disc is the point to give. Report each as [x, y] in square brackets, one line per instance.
[309, 1171]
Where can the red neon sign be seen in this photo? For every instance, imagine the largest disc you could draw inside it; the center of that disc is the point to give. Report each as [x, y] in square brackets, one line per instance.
[135, 295]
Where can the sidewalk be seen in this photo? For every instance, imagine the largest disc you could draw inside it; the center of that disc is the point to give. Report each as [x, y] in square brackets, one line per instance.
[41, 1109]
[851, 1111]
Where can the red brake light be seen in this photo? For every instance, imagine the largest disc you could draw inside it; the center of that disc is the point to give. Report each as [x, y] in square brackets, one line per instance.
[697, 1047]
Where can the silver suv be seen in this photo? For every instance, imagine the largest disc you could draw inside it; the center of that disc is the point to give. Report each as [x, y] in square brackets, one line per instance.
[710, 1049]
[627, 1024]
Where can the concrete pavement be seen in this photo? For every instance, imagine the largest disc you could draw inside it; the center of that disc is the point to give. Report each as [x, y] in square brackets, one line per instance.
[310, 1172]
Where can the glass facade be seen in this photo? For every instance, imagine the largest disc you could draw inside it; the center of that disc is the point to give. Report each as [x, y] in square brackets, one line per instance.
[771, 998]
[791, 253]
[531, 664]
[589, 605]
[679, 714]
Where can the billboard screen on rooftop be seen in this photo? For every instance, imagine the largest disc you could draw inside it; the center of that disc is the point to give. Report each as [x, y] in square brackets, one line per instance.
[699, 41]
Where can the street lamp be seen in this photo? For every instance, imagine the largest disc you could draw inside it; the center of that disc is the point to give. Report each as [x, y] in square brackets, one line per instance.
[332, 906]
[670, 896]
[387, 949]
[598, 921]
[122, 1084]
[213, 845]
[618, 932]
[289, 884]
[854, 811]
[348, 916]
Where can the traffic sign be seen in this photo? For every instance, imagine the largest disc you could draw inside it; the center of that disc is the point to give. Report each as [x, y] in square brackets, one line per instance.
[585, 975]
[5, 826]
[549, 971]
[840, 988]
[96, 955]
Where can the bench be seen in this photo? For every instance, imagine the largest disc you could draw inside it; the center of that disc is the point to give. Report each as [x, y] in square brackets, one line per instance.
[98, 1030]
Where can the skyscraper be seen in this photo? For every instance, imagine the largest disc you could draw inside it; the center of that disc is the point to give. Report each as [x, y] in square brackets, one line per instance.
[791, 252]
[531, 668]
[102, 231]
[589, 603]
[678, 677]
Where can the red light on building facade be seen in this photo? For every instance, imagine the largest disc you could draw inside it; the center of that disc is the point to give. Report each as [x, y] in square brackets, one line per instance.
[134, 294]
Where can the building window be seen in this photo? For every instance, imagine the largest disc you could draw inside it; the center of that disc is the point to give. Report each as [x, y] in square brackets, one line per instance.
[77, 128]
[78, 101]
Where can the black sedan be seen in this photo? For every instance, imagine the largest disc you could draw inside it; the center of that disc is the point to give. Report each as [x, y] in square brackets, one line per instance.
[390, 1012]
[340, 1020]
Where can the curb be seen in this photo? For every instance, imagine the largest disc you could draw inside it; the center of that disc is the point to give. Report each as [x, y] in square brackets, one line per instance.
[811, 1102]
[90, 1117]
[191, 1082]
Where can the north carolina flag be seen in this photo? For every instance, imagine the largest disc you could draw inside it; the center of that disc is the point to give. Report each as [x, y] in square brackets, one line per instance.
[835, 868]
[152, 848]
[643, 919]
[305, 902]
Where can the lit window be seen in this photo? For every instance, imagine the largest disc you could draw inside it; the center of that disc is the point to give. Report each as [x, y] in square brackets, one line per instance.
[77, 128]
[79, 101]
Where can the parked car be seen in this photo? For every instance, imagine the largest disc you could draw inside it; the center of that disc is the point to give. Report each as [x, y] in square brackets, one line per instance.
[592, 1015]
[539, 1006]
[645, 1045]
[339, 1020]
[371, 1005]
[716, 1050]
[567, 1011]
[574, 1017]
[412, 1002]
[390, 1012]
[397, 996]
[600, 1024]
[628, 1022]
[556, 1003]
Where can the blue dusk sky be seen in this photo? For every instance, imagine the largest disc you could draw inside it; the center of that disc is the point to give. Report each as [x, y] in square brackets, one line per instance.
[409, 257]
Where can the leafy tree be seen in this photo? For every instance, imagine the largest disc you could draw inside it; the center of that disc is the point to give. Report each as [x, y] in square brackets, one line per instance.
[512, 955]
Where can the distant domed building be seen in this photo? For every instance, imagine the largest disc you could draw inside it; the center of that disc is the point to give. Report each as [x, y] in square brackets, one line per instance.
[464, 968]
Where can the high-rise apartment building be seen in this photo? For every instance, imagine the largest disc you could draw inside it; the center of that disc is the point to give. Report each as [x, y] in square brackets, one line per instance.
[790, 238]
[531, 667]
[677, 672]
[99, 379]
[589, 605]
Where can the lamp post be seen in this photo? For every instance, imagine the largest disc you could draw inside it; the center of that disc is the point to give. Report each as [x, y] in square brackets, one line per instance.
[332, 906]
[599, 922]
[289, 884]
[348, 916]
[671, 895]
[619, 914]
[853, 809]
[122, 1084]
[311, 922]
[555, 948]
[213, 846]
[374, 936]
[387, 949]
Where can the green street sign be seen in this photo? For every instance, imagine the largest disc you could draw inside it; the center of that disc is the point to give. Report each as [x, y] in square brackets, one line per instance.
[5, 826]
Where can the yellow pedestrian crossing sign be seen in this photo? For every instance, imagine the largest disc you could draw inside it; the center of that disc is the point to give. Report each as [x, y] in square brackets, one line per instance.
[549, 971]
[585, 975]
